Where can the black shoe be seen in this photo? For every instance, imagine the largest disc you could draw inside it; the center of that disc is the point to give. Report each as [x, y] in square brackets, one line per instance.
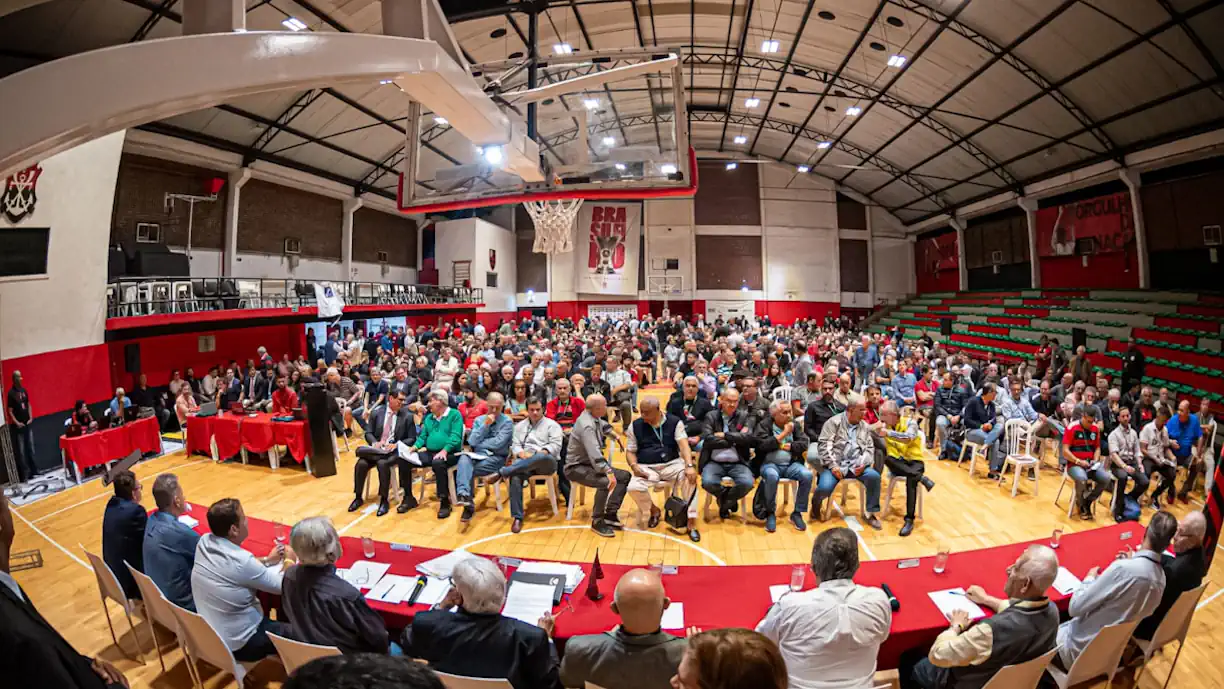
[653, 521]
[694, 535]
[599, 527]
[406, 504]
[468, 510]
[814, 513]
[464, 500]
[516, 526]
[348, 432]
[907, 528]
[874, 522]
[724, 512]
[993, 476]
[927, 483]
[771, 523]
[444, 510]
[797, 520]
[355, 504]
[383, 508]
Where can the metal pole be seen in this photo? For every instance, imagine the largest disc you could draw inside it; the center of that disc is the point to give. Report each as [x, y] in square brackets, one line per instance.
[533, 68]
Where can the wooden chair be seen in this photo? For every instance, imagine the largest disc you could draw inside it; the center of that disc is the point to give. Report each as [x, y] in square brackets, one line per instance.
[1018, 435]
[1024, 675]
[109, 587]
[727, 482]
[1098, 659]
[157, 609]
[1174, 627]
[461, 682]
[203, 643]
[295, 654]
[845, 488]
[481, 481]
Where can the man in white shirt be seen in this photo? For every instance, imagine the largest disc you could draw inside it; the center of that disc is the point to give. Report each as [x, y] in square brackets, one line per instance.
[1157, 455]
[1126, 462]
[225, 579]
[621, 385]
[829, 636]
[535, 448]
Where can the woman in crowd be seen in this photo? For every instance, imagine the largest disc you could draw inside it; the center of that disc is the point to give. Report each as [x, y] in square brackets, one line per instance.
[774, 379]
[81, 416]
[516, 404]
[731, 659]
[185, 405]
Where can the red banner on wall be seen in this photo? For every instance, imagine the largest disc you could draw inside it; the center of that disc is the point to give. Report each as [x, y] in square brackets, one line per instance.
[1107, 220]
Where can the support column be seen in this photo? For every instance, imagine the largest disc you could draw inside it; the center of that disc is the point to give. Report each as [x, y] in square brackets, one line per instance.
[1133, 183]
[346, 235]
[213, 16]
[871, 282]
[962, 265]
[1030, 214]
[912, 288]
[237, 179]
[533, 69]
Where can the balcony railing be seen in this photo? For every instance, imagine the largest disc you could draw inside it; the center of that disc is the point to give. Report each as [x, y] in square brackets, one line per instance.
[145, 296]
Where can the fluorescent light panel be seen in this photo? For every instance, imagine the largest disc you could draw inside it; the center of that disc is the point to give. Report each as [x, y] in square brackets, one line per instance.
[751, 102]
[770, 46]
[563, 48]
[741, 139]
[803, 168]
[294, 24]
[591, 103]
[854, 111]
[609, 141]
[823, 145]
[897, 61]
[438, 119]
[732, 166]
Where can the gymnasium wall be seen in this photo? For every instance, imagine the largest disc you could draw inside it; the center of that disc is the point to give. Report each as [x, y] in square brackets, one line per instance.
[1180, 206]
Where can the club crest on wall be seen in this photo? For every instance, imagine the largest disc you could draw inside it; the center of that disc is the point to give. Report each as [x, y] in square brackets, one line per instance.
[492, 259]
[19, 196]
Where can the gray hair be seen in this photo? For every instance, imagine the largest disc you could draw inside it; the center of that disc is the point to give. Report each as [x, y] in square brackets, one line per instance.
[648, 403]
[332, 371]
[774, 406]
[889, 407]
[854, 399]
[315, 541]
[165, 487]
[835, 554]
[495, 397]
[481, 583]
[440, 395]
[692, 378]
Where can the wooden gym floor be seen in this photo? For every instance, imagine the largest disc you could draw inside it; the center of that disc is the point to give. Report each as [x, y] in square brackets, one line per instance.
[961, 513]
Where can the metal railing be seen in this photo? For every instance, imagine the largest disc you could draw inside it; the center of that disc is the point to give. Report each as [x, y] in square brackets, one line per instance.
[145, 296]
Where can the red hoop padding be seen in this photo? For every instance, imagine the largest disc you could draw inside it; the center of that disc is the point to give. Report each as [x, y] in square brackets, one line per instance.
[589, 194]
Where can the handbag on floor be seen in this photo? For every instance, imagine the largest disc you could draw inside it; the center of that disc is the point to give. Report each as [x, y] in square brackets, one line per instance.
[675, 511]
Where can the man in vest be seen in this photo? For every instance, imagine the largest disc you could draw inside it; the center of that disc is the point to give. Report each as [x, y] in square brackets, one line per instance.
[659, 453]
[903, 444]
[1024, 626]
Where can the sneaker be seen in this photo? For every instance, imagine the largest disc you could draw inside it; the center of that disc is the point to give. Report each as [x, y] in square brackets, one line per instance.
[797, 520]
[771, 524]
[468, 510]
[993, 476]
[464, 500]
[614, 523]
[599, 527]
[907, 528]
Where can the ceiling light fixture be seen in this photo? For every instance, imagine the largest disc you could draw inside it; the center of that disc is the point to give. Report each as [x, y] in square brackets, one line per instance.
[493, 155]
[294, 24]
[741, 139]
[751, 102]
[591, 103]
[563, 48]
[609, 141]
[803, 168]
[438, 119]
[620, 166]
[854, 111]
[823, 145]
[732, 165]
[668, 169]
[897, 61]
[384, 82]
[770, 46]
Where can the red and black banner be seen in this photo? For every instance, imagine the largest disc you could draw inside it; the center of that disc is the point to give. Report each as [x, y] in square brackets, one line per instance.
[1106, 220]
[1213, 511]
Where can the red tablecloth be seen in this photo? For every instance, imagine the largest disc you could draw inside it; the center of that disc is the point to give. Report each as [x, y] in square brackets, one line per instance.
[199, 435]
[227, 433]
[705, 590]
[256, 433]
[111, 444]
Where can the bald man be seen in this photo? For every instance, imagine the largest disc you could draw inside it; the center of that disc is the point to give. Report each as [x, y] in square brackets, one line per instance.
[635, 654]
[585, 464]
[658, 451]
[1183, 572]
[1025, 626]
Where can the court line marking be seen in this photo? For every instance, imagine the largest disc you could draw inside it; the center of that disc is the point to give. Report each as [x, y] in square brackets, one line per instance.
[50, 540]
[1210, 598]
[107, 495]
[862, 541]
[718, 560]
[344, 529]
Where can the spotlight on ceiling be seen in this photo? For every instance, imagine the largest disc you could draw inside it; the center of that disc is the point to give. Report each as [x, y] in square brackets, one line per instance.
[741, 139]
[854, 111]
[803, 168]
[294, 24]
[897, 61]
[770, 46]
[620, 166]
[563, 48]
[591, 103]
[751, 102]
[609, 141]
[823, 145]
[668, 169]
[732, 165]
[438, 119]
[493, 155]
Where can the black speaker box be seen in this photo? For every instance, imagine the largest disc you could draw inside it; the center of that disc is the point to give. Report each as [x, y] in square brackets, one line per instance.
[131, 357]
[945, 327]
[1079, 338]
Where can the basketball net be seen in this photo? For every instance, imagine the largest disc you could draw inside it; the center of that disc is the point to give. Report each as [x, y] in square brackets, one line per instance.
[554, 224]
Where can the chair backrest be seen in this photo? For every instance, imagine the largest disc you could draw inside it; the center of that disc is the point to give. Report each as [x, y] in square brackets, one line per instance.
[592, 685]
[108, 584]
[1176, 621]
[1017, 432]
[782, 392]
[206, 644]
[1021, 675]
[156, 604]
[1100, 658]
[295, 654]
[461, 682]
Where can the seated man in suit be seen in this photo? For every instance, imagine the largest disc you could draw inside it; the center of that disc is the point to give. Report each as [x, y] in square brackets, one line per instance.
[123, 530]
[635, 654]
[389, 425]
[477, 640]
[728, 433]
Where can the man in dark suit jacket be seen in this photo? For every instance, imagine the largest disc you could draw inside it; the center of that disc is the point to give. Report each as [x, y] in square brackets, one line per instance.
[478, 641]
[35, 655]
[1183, 572]
[123, 528]
[389, 425]
[728, 435]
[690, 405]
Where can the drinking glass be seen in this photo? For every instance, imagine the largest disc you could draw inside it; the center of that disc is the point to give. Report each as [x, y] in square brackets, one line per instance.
[941, 560]
[655, 562]
[1056, 538]
[281, 533]
[367, 545]
[798, 574]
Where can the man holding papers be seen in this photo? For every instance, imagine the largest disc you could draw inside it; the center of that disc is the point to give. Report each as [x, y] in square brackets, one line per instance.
[389, 425]
[490, 441]
[438, 446]
[1024, 626]
[477, 640]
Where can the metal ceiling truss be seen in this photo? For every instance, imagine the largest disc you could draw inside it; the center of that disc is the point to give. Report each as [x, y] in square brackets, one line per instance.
[297, 107]
[152, 20]
[591, 46]
[739, 54]
[790, 56]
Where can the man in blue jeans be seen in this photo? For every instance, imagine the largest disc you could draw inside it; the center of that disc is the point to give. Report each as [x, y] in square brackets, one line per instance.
[490, 442]
[1082, 457]
[1186, 441]
[536, 449]
[781, 448]
[983, 426]
[845, 450]
[728, 433]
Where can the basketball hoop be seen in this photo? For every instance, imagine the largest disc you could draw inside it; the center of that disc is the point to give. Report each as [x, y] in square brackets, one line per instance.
[554, 221]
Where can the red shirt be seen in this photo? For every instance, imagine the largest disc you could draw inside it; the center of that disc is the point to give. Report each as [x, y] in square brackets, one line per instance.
[1082, 442]
[471, 412]
[565, 414]
[922, 386]
[284, 401]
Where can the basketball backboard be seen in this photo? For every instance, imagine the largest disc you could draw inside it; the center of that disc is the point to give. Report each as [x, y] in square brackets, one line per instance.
[606, 127]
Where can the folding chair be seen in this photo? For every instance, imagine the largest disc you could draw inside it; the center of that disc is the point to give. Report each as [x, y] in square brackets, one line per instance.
[727, 482]
[295, 654]
[548, 481]
[893, 479]
[845, 488]
[481, 481]
[1099, 659]
[157, 609]
[460, 682]
[203, 643]
[1024, 675]
[1174, 627]
[974, 450]
[108, 587]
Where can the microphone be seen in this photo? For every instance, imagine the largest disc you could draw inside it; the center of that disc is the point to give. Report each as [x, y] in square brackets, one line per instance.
[420, 586]
[892, 600]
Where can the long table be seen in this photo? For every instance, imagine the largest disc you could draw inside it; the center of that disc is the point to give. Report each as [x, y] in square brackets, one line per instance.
[738, 596]
[229, 433]
[112, 444]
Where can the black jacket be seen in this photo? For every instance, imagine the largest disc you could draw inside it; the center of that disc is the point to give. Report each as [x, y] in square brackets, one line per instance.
[817, 413]
[767, 442]
[741, 434]
[978, 413]
[123, 527]
[1182, 573]
[326, 610]
[689, 413]
[484, 645]
[411, 387]
[35, 655]
[404, 431]
[950, 401]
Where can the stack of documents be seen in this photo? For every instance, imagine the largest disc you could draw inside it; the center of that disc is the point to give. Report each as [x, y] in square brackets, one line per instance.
[528, 602]
[1066, 582]
[364, 574]
[441, 567]
[189, 520]
[951, 600]
[392, 589]
[573, 573]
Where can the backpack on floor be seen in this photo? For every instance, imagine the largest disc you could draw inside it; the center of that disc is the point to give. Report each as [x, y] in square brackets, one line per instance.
[1130, 509]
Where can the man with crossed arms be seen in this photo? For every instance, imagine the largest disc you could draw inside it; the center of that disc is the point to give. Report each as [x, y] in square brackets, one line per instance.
[658, 451]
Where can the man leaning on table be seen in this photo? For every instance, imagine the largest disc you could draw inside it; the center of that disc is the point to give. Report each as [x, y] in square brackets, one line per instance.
[1024, 626]
[1127, 591]
[170, 545]
[830, 635]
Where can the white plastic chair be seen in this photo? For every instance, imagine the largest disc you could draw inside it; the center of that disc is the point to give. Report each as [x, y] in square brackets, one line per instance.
[893, 479]
[974, 450]
[549, 481]
[295, 654]
[158, 610]
[727, 482]
[184, 297]
[481, 481]
[461, 682]
[1174, 627]
[1024, 675]
[394, 492]
[203, 643]
[1019, 439]
[782, 392]
[109, 587]
[1099, 659]
[845, 488]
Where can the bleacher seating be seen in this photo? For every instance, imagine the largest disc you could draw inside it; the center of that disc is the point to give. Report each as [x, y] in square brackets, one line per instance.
[1179, 332]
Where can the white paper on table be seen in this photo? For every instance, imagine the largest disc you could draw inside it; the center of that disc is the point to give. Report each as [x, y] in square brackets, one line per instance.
[573, 573]
[528, 602]
[442, 567]
[951, 600]
[365, 574]
[407, 454]
[190, 521]
[777, 591]
[392, 589]
[673, 616]
[435, 590]
[1066, 582]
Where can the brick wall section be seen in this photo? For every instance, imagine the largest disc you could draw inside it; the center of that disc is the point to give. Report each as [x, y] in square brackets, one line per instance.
[268, 213]
[140, 194]
[375, 231]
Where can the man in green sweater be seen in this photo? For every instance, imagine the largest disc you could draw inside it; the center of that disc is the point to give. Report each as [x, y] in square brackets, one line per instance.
[439, 444]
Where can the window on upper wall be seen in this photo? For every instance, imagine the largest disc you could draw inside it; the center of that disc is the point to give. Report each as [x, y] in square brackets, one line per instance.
[25, 251]
[491, 280]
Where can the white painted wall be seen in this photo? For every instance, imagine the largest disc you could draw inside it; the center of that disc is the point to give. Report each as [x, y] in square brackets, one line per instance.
[207, 262]
[894, 264]
[454, 240]
[489, 236]
[66, 309]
